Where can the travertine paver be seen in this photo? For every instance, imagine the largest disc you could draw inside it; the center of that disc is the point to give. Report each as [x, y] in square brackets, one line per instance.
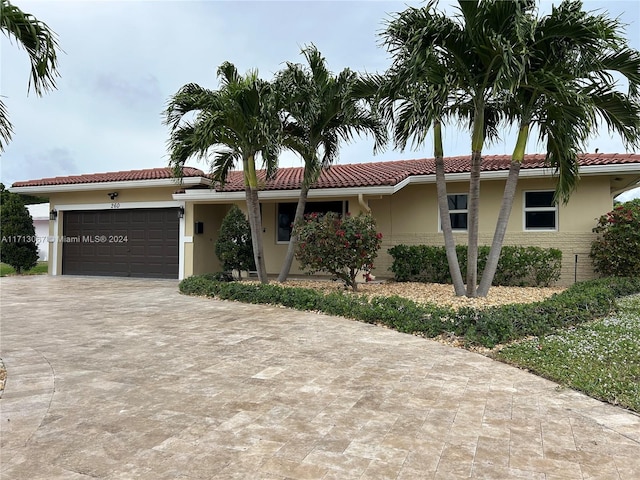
[128, 379]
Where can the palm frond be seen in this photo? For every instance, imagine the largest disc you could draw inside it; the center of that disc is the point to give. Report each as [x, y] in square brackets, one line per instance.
[223, 162]
[324, 109]
[38, 40]
[6, 129]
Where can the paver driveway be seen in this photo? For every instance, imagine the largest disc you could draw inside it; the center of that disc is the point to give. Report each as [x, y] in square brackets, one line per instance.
[127, 379]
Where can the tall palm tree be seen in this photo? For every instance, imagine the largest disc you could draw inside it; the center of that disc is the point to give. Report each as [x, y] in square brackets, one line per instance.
[413, 111]
[239, 122]
[567, 90]
[322, 111]
[465, 64]
[41, 45]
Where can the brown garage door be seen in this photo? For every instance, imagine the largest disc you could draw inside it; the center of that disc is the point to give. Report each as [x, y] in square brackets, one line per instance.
[124, 243]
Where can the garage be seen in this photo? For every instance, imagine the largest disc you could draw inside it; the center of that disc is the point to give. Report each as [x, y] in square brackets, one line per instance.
[121, 242]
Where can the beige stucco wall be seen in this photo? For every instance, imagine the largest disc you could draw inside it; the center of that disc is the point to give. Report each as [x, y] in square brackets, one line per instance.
[161, 194]
[204, 257]
[411, 217]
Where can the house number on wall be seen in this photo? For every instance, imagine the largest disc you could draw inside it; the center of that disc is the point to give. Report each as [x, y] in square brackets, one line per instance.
[115, 205]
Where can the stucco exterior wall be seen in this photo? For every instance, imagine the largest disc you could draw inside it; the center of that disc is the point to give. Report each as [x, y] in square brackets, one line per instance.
[411, 217]
[204, 257]
[161, 194]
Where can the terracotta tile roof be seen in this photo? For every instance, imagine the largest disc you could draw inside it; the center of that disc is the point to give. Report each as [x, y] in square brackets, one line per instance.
[340, 176]
[393, 172]
[128, 175]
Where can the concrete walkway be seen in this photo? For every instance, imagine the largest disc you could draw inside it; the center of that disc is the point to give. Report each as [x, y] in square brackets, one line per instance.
[127, 379]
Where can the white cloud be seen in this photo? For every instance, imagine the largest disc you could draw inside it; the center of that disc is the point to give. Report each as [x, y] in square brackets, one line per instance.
[124, 59]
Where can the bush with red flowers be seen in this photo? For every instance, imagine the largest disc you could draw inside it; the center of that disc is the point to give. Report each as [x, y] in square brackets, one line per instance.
[342, 246]
[617, 250]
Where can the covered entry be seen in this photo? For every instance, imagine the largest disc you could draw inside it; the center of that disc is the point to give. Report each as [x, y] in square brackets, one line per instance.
[121, 242]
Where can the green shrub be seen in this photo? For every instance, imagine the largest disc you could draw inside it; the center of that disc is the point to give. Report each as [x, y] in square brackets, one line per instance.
[341, 246]
[233, 247]
[616, 252]
[420, 263]
[18, 246]
[518, 266]
[580, 303]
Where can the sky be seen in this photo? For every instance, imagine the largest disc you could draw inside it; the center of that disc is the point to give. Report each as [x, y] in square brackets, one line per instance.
[122, 61]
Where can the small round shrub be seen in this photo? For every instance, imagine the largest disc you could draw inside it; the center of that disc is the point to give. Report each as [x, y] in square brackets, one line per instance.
[233, 247]
[341, 246]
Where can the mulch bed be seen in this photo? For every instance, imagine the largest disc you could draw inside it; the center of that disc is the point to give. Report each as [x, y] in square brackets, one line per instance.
[439, 294]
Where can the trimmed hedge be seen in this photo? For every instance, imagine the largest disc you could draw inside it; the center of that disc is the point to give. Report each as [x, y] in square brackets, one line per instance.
[518, 266]
[580, 303]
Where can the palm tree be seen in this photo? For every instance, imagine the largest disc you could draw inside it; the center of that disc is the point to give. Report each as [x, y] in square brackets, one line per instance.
[414, 110]
[463, 64]
[41, 45]
[238, 122]
[322, 110]
[567, 89]
[553, 73]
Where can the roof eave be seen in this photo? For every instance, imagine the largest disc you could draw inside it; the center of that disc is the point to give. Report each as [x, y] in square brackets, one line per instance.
[543, 172]
[209, 196]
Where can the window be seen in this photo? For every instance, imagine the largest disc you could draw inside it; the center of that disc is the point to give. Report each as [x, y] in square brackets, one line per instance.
[458, 211]
[287, 212]
[540, 211]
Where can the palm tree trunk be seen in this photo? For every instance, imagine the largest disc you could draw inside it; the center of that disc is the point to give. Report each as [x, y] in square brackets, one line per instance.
[474, 200]
[505, 212]
[293, 240]
[445, 219]
[255, 220]
[253, 211]
[501, 228]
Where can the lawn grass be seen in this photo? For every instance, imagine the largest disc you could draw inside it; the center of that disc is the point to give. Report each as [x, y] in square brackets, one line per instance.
[39, 269]
[601, 358]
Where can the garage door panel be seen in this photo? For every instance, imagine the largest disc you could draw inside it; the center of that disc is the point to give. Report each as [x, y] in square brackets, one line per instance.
[120, 250]
[137, 234]
[139, 216]
[150, 249]
[105, 220]
[89, 219]
[104, 250]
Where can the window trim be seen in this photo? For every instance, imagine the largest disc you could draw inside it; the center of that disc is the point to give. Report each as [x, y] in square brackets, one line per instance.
[286, 242]
[466, 210]
[554, 208]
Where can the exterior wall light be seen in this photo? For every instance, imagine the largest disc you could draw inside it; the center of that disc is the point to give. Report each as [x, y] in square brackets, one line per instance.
[53, 214]
[180, 212]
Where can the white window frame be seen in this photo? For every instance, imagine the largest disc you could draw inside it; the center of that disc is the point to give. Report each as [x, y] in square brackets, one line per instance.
[525, 210]
[466, 210]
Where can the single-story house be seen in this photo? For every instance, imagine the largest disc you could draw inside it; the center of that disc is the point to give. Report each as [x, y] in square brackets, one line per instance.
[144, 223]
